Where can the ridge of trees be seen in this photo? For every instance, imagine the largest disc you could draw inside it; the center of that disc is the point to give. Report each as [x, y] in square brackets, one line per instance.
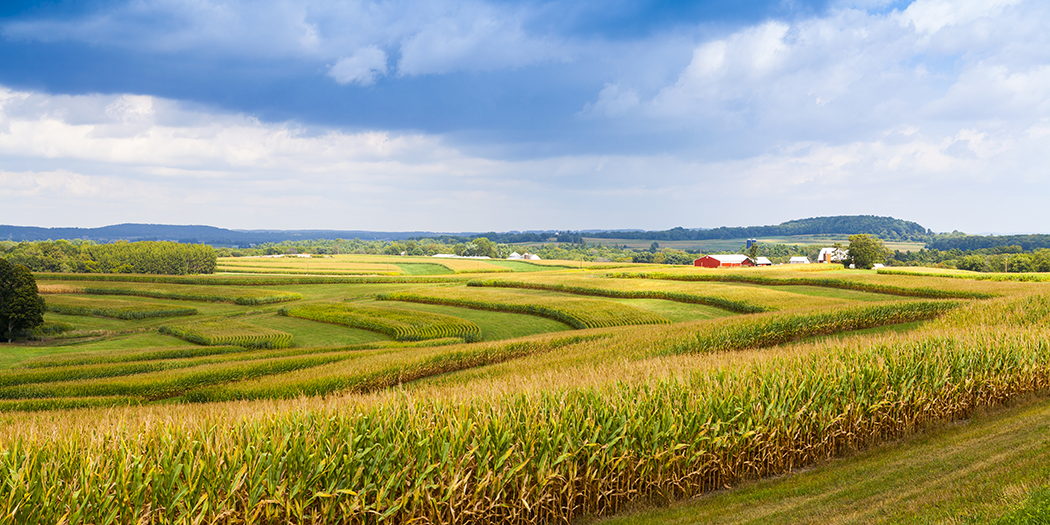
[78, 256]
[887, 228]
[962, 241]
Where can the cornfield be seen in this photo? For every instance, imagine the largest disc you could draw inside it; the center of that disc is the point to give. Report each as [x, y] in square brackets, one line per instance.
[229, 332]
[828, 282]
[543, 457]
[718, 302]
[548, 428]
[402, 325]
[577, 313]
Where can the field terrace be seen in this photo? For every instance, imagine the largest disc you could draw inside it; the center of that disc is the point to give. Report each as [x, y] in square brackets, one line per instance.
[748, 373]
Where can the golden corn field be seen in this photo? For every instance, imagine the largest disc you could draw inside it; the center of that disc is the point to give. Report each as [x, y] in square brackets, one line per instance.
[337, 422]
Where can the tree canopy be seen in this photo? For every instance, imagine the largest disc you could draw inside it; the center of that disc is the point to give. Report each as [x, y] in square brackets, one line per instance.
[21, 307]
[864, 251]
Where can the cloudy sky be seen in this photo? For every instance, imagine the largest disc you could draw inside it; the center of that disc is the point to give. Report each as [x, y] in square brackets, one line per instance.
[478, 115]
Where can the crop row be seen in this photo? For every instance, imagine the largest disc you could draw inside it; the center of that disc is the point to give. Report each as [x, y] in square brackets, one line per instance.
[577, 313]
[231, 268]
[384, 369]
[402, 325]
[124, 356]
[827, 282]
[191, 352]
[246, 280]
[229, 332]
[254, 297]
[769, 331]
[1000, 277]
[544, 457]
[170, 381]
[131, 311]
[718, 302]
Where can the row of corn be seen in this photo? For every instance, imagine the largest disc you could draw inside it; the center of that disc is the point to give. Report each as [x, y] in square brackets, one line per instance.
[401, 324]
[541, 457]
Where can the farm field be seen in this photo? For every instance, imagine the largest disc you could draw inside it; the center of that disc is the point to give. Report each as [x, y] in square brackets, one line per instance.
[529, 394]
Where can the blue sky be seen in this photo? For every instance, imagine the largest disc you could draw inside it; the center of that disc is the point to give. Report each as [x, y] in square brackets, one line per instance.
[500, 115]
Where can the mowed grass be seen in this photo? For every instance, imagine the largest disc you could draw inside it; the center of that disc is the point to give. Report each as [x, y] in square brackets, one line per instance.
[420, 268]
[522, 266]
[675, 311]
[972, 471]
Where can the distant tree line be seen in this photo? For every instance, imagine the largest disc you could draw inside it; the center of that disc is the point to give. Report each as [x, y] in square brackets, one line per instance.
[78, 256]
[1011, 259]
[962, 241]
[883, 227]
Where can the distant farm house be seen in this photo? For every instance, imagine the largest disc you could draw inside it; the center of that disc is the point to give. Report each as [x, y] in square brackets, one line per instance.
[763, 261]
[830, 255]
[799, 260]
[723, 261]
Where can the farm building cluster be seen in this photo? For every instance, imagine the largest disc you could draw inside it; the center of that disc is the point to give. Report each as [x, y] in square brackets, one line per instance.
[827, 255]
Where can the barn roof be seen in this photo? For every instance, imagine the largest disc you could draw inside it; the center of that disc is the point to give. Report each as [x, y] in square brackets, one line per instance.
[728, 259]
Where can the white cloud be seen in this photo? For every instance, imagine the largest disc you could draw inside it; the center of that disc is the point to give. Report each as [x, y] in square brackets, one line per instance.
[173, 165]
[431, 36]
[929, 16]
[362, 67]
[475, 37]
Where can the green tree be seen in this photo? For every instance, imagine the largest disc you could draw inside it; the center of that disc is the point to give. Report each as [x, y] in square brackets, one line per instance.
[864, 251]
[484, 247]
[753, 251]
[21, 307]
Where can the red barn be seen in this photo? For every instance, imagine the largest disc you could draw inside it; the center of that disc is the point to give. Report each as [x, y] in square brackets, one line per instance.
[723, 261]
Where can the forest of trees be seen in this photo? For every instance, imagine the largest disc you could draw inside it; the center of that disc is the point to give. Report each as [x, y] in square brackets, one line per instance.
[78, 256]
